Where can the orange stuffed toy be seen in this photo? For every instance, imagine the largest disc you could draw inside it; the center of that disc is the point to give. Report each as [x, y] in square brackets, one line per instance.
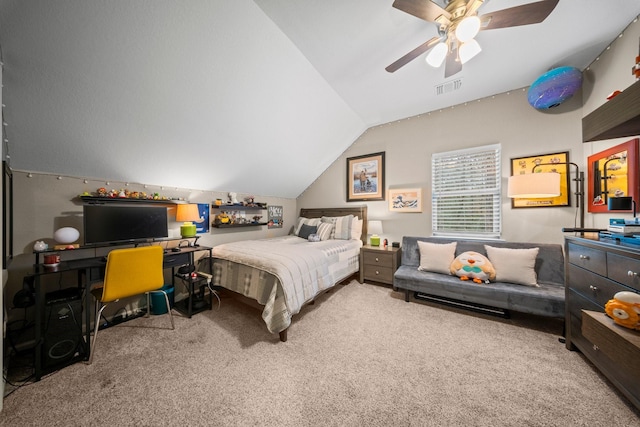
[624, 309]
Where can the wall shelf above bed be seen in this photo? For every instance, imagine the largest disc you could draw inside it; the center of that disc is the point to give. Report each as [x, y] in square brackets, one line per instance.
[239, 211]
[251, 224]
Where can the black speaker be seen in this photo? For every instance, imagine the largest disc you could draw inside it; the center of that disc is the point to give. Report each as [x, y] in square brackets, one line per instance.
[62, 326]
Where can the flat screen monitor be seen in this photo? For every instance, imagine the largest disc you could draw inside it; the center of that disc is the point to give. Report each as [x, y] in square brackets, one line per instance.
[115, 223]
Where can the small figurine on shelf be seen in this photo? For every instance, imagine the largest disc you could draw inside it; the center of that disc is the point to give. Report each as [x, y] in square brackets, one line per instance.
[233, 200]
[256, 218]
[248, 201]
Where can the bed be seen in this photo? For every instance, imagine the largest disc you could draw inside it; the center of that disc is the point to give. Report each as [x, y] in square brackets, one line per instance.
[285, 273]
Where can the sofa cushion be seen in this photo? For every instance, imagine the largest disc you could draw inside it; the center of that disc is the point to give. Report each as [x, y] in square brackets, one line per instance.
[436, 257]
[514, 265]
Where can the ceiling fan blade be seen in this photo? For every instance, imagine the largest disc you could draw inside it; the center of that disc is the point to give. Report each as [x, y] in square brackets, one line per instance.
[531, 13]
[412, 55]
[423, 9]
[452, 64]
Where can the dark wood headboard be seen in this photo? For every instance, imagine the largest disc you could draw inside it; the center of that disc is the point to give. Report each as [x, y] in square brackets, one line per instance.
[359, 211]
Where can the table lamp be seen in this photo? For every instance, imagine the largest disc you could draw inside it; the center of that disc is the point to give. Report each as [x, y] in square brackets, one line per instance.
[188, 213]
[374, 227]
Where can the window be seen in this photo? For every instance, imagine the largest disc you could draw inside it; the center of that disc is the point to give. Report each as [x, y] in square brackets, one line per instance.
[465, 192]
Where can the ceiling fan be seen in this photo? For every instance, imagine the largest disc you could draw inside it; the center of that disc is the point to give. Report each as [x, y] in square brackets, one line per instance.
[458, 24]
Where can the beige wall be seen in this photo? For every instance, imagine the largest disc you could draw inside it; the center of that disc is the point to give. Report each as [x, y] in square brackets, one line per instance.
[610, 72]
[506, 119]
[43, 203]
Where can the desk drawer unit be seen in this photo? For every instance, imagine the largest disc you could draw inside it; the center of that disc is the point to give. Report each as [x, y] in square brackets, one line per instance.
[595, 271]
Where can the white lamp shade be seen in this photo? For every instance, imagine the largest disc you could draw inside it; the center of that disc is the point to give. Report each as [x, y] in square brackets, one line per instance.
[534, 185]
[66, 235]
[438, 53]
[468, 28]
[374, 227]
[468, 50]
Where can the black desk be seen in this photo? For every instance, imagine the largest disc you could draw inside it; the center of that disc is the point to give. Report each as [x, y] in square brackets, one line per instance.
[91, 270]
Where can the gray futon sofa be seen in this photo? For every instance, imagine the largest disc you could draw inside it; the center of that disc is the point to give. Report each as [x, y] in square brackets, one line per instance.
[547, 299]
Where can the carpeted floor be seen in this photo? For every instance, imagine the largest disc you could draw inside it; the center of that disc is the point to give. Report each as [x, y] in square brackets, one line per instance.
[361, 356]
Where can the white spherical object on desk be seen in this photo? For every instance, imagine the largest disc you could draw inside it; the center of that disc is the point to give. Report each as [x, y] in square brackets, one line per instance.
[66, 235]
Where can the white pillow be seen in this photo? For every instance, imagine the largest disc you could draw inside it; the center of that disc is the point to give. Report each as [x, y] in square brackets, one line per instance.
[436, 257]
[342, 226]
[356, 229]
[324, 230]
[514, 265]
[303, 220]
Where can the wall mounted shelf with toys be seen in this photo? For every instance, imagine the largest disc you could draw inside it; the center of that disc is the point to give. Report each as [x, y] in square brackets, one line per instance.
[238, 215]
[99, 199]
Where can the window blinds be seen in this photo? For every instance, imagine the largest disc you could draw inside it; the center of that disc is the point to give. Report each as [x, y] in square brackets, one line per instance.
[466, 192]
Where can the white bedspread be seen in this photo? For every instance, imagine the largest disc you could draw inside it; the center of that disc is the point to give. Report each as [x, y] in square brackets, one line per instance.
[303, 269]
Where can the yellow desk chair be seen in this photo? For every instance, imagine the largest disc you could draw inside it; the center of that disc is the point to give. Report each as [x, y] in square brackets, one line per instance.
[129, 272]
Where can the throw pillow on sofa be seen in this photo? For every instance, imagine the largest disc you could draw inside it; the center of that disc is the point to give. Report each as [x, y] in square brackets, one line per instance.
[514, 265]
[436, 257]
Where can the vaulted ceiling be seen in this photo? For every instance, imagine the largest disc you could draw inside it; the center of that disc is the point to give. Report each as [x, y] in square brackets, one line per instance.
[247, 96]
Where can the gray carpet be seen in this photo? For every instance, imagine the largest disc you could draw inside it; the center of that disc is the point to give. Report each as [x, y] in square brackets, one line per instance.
[361, 356]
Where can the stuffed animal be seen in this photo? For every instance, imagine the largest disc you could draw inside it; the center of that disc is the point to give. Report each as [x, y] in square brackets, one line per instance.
[473, 266]
[624, 309]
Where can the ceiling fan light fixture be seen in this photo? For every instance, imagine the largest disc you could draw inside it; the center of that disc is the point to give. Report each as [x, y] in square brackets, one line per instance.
[468, 50]
[468, 28]
[436, 57]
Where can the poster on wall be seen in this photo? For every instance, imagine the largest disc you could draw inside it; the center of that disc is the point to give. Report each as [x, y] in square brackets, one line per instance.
[274, 216]
[553, 162]
[613, 173]
[203, 227]
[405, 200]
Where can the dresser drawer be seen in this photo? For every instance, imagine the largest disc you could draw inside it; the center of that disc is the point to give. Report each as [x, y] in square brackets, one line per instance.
[591, 259]
[624, 270]
[596, 288]
[383, 259]
[620, 344]
[378, 273]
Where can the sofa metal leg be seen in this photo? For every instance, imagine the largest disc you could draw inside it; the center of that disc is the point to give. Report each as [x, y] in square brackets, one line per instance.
[406, 295]
[283, 335]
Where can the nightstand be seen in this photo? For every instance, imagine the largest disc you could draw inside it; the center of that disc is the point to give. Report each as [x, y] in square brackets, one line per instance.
[378, 264]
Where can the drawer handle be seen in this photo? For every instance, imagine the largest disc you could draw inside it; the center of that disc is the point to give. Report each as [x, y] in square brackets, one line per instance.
[632, 273]
[593, 288]
[584, 256]
[377, 272]
[377, 259]
[595, 348]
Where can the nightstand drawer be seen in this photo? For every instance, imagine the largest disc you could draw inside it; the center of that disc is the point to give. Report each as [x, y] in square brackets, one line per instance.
[379, 274]
[379, 258]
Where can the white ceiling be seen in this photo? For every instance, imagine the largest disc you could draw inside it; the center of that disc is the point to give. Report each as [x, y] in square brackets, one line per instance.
[247, 96]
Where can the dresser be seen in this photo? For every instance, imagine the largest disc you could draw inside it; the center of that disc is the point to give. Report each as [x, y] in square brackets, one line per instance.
[595, 271]
[378, 263]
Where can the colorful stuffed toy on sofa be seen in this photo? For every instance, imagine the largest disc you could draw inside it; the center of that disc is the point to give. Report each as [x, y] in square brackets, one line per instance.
[473, 266]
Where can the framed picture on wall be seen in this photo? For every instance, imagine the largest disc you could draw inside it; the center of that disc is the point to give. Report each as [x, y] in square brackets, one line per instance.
[405, 200]
[612, 173]
[365, 177]
[553, 162]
